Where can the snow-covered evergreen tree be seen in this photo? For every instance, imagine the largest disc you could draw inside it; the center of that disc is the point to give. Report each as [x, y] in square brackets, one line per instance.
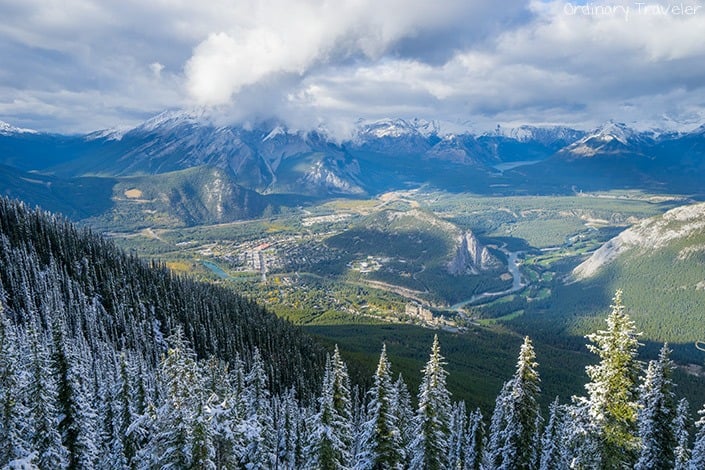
[552, 453]
[680, 425]
[458, 429]
[431, 445]
[77, 423]
[170, 445]
[331, 439]
[697, 458]
[381, 439]
[258, 426]
[612, 390]
[42, 401]
[581, 446]
[406, 423]
[657, 415]
[202, 448]
[514, 430]
[474, 441]
[13, 413]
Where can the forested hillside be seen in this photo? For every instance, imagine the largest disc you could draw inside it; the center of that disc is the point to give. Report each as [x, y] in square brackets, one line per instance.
[57, 278]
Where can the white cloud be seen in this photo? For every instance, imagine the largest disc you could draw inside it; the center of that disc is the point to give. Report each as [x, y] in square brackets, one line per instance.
[70, 64]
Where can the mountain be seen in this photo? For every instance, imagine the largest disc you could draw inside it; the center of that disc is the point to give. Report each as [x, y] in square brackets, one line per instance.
[660, 264]
[616, 156]
[609, 140]
[268, 159]
[7, 129]
[680, 225]
[78, 198]
[196, 196]
[379, 156]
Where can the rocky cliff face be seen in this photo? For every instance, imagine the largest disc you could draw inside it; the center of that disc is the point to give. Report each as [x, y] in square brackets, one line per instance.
[648, 235]
[471, 256]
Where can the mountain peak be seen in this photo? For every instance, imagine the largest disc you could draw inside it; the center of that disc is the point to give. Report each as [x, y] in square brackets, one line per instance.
[396, 128]
[7, 129]
[174, 118]
[610, 138]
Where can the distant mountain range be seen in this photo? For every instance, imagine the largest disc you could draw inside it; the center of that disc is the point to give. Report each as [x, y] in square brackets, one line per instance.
[379, 156]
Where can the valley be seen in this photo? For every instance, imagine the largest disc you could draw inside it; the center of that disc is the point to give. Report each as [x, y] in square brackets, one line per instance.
[391, 258]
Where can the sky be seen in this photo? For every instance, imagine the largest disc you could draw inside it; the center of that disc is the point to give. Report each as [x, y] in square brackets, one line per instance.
[80, 65]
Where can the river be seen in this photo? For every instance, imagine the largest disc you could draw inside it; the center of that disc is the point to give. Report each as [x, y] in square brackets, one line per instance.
[517, 285]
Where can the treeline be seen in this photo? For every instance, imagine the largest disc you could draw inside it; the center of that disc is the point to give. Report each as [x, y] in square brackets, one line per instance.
[65, 407]
[55, 276]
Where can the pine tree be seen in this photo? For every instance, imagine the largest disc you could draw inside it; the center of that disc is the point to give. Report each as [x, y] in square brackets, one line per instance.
[657, 414]
[682, 452]
[405, 418]
[458, 428]
[431, 445]
[77, 423]
[330, 441]
[697, 458]
[381, 439]
[170, 444]
[13, 413]
[42, 400]
[474, 441]
[258, 425]
[552, 455]
[612, 390]
[581, 446]
[515, 422]
[202, 449]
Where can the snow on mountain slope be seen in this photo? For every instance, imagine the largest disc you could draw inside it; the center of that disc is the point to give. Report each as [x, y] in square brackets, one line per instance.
[395, 128]
[610, 138]
[648, 235]
[8, 129]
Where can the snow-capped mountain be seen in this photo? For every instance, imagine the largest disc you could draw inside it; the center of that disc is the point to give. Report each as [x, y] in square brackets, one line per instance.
[541, 134]
[7, 129]
[395, 128]
[609, 139]
[270, 157]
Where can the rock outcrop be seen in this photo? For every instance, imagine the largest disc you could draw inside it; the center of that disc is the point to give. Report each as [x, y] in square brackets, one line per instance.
[471, 256]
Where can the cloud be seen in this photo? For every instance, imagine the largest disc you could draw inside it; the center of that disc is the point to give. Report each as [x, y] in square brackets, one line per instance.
[295, 38]
[76, 64]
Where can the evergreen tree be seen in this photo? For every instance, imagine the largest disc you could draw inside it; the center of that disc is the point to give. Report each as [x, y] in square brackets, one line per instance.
[13, 413]
[331, 438]
[682, 452]
[77, 417]
[474, 441]
[431, 445]
[404, 412]
[657, 415]
[258, 426]
[202, 449]
[612, 390]
[381, 439]
[581, 446]
[170, 444]
[514, 428]
[697, 458]
[458, 428]
[42, 399]
[552, 455]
